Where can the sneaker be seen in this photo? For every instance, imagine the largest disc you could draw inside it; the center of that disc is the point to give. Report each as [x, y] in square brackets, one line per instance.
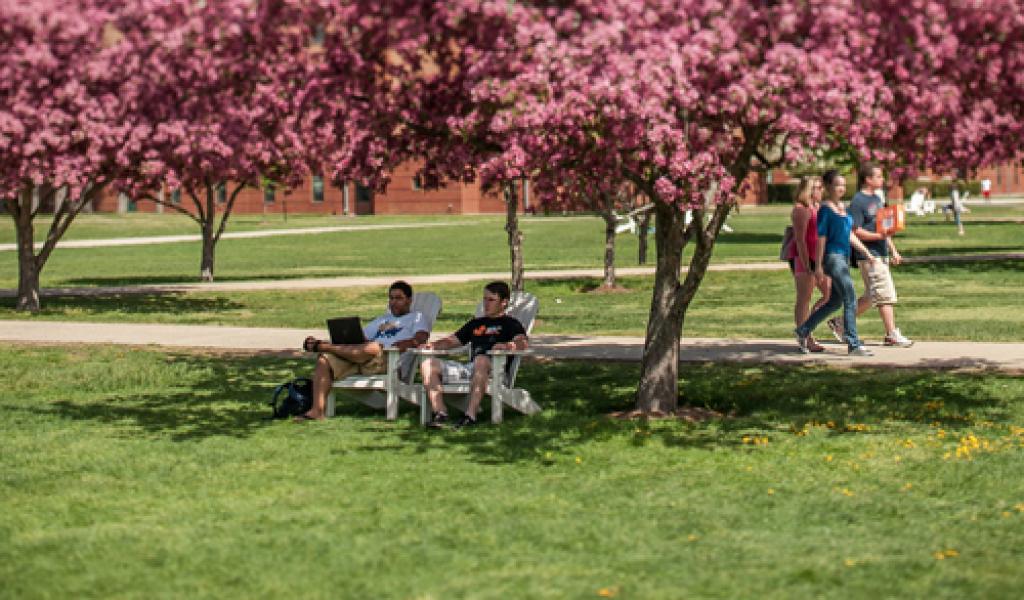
[898, 339]
[437, 420]
[835, 325]
[814, 346]
[801, 342]
[465, 421]
[860, 351]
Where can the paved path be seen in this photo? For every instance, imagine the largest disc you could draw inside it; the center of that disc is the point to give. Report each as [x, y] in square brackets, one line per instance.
[362, 281]
[173, 239]
[932, 355]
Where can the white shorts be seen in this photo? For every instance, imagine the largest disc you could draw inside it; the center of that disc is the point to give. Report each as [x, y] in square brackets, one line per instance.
[453, 371]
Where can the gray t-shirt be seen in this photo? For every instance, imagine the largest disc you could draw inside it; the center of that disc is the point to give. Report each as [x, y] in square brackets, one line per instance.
[863, 209]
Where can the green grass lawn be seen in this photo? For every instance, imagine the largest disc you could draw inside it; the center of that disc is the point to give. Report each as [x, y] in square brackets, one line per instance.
[477, 244]
[159, 478]
[955, 301]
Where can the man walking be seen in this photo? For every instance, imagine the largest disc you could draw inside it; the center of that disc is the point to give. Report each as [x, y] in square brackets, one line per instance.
[879, 289]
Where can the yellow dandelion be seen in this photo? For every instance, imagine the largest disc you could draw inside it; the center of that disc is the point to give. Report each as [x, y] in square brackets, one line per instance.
[579, 460]
[828, 458]
[846, 492]
[1019, 506]
[907, 486]
[909, 444]
[608, 592]
[693, 537]
[849, 562]
[771, 492]
[1007, 514]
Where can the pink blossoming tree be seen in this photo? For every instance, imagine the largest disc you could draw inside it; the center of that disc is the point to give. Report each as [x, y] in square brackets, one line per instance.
[215, 105]
[682, 100]
[61, 121]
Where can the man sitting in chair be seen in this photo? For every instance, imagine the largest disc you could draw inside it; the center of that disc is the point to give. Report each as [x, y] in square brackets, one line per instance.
[493, 331]
[398, 327]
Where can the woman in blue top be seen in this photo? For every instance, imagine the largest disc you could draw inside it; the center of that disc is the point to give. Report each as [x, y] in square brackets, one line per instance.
[835, 236]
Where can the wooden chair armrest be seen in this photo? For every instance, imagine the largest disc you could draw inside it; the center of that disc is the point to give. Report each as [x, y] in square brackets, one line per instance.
[510, 352]
[437, 351]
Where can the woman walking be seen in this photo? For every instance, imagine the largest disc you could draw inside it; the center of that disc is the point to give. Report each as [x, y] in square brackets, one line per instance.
[803, 252]
[835, 237]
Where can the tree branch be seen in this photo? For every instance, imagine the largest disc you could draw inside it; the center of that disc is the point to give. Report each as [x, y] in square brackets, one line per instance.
[227, 210]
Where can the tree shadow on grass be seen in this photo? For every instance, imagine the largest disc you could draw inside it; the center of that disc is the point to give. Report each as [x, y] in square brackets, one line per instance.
[230, 398]
[226, 395]
[739, 237]
[954, 251]
[577, 397]
[965, 268]
[150, 303]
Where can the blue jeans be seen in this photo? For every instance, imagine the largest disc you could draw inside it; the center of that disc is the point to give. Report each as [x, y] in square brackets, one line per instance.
[837, 267]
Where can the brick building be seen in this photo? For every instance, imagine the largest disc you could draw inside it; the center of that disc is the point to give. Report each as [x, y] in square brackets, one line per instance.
[404, 196]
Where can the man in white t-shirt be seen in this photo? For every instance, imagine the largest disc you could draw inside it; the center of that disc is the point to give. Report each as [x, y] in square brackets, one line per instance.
[399, 327]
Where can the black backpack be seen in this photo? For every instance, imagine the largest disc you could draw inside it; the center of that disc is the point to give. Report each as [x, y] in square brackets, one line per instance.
[292, 398]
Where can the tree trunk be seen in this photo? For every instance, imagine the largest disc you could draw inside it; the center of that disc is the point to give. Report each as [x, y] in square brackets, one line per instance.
[609, 248]
[209, 241]
[515, 236]
[659, 368]
[644, 226]
[28, 268]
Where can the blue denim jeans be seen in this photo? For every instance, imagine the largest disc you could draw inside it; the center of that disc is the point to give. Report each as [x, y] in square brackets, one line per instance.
[837, 267]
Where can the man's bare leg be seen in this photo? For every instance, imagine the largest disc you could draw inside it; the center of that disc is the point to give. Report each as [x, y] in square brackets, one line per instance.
[478, 385]
[430, 369]
[323, 378]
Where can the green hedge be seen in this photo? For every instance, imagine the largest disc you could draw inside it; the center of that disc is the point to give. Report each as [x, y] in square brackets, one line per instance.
[941, 188]
[781, 193]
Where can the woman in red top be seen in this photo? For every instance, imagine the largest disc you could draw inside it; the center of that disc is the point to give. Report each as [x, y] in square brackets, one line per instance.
[804, 249]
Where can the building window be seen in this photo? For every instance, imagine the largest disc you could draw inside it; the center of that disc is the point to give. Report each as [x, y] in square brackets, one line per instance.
[176, 196]
[268, 192]
[220, 192]
[417, 183]
[318, 188]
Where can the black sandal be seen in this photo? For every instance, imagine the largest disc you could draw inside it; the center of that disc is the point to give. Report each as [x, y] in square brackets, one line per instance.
[311, 344]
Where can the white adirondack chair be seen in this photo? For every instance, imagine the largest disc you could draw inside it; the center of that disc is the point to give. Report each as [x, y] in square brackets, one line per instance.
[628, 222]
[385, 390]
[523, 307]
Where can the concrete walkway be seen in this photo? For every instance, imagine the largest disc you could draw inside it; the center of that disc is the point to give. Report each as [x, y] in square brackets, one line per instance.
[417, 280]
[930, 355]
[239, 235]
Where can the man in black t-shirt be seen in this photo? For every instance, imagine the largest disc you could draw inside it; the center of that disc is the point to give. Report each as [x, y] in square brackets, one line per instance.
[493, 331]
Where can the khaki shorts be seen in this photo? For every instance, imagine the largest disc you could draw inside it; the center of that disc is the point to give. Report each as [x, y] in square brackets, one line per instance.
[878, 283]
[342, 367]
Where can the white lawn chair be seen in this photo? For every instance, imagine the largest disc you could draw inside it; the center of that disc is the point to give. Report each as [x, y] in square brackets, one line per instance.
[523, 307]
[919, 204]
[384, 390]
[627, 222]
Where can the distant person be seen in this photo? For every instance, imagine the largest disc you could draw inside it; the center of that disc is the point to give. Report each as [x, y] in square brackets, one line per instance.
[835, 236]
[493, 331]
[803, 254]
[398, 327]
[986, 188]
[956, 206]
[879, 289]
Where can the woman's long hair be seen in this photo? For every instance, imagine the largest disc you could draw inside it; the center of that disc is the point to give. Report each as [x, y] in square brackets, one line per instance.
[803, 190]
